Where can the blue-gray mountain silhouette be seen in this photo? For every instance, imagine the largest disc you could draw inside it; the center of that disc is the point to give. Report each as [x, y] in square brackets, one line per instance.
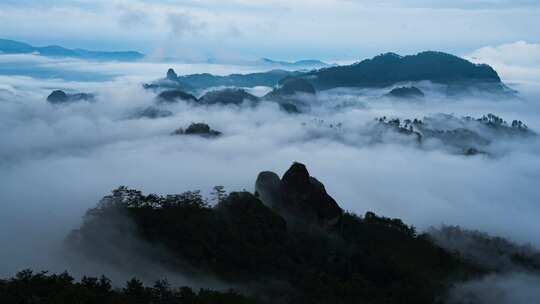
[16, 47]
[385, 70]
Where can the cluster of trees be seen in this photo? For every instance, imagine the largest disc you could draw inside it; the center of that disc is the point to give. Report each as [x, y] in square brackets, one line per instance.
[406, 127]
[494, 121]
[28, 287]
[474, 134]
[367, 259]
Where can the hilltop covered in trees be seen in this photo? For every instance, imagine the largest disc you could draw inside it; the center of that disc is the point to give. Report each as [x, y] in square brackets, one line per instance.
[321, 255]
[289, 242]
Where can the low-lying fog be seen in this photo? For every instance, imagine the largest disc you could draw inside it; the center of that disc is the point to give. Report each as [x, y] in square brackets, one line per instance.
[58, 161]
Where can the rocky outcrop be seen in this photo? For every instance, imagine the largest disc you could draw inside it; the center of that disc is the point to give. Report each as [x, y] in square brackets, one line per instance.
[61, 97]
[268, 188]
[171, 75]
[170, 82]
[298, 196]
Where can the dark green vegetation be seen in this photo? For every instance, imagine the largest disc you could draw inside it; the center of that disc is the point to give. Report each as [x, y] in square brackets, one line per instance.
[15, 47]
[43, 288]
[290, 243]
[61, 97]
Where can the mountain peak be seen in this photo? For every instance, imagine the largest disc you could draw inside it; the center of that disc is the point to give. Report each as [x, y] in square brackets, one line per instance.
[298, 196]
[171, 75]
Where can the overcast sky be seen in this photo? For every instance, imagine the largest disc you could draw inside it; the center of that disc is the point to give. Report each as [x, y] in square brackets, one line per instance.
[281, 29]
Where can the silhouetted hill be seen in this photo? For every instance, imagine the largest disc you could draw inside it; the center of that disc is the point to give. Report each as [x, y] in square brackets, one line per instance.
[388, 69]
[199, 82]
[269, 79]
[303, 243]
[291, 86]
[171, 96]
[406, 92]
[61, 97]
[199, 129]
[15, 47]
[227, 96]
[384, 70]
[291, 94]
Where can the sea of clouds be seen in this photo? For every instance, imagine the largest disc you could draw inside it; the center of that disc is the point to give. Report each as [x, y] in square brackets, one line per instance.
[58, 161]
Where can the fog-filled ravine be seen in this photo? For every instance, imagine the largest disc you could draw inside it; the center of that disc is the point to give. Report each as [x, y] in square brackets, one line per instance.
[455, 159]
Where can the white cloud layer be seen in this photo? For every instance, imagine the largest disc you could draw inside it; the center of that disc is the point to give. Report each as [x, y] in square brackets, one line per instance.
[58, 161]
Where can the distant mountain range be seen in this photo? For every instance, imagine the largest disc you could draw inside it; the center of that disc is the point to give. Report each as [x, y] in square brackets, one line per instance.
[16, 47]
[385, 70]
[308, 64]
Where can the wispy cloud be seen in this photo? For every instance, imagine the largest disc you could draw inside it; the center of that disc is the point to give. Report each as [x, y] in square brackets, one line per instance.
[285, 29]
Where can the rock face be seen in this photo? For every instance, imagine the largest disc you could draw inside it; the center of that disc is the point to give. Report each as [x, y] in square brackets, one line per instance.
[406, 92]
[171, 75]
[171, 96]
[227, 97]
[268, 188]
[200, 129]
[61, 97]
[298, 196]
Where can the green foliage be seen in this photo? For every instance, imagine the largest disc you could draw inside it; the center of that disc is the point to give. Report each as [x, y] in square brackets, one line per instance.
[28, 288]
[371, 259]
